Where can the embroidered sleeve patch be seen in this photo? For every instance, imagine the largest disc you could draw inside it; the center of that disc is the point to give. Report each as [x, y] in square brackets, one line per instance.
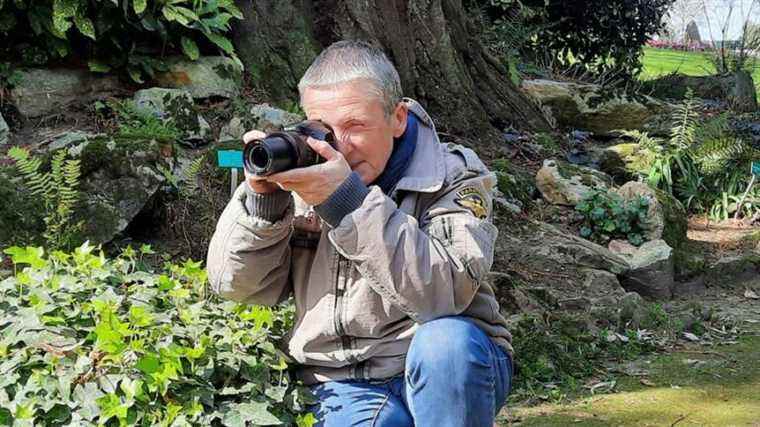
[471, 199]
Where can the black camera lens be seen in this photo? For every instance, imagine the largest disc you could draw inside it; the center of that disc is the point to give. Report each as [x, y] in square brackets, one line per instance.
[270, 155]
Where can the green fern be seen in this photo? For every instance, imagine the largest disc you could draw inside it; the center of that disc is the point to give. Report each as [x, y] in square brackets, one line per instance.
[58, 190]
[190, 178]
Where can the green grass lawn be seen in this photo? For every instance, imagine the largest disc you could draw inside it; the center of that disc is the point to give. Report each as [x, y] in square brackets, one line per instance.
[659, 62]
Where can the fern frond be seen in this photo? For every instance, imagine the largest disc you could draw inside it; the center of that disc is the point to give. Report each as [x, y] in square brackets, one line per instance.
[682, 134]
[190, 178]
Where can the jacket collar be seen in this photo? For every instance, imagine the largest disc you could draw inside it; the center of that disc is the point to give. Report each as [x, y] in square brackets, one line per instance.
[426, 171]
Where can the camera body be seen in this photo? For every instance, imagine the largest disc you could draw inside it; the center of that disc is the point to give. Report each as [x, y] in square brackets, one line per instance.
[287, 149]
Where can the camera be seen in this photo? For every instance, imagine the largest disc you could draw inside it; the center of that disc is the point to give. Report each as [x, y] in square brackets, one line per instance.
[285, 150]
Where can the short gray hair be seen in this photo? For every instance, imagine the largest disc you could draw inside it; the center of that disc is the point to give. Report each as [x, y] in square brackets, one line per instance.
[349, 60]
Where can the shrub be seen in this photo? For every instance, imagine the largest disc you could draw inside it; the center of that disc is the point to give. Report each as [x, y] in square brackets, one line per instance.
[607, 216]
[89, 340]
[604, 35]
[121, 34]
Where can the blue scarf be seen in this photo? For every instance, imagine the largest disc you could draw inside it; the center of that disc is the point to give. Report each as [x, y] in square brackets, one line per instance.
[401, 156]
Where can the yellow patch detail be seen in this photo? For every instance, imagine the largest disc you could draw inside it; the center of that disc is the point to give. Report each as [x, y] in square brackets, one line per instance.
[471, 199]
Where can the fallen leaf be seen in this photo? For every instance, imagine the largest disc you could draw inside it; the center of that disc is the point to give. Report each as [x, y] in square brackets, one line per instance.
[749, 293]
[647, 383]
[691, 337]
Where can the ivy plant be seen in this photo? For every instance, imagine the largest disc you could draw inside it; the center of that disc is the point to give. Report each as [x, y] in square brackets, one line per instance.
[130, 35]
[91, 340]
[608, 216]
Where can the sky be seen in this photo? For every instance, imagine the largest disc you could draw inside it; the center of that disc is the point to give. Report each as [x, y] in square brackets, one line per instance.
[717, 15]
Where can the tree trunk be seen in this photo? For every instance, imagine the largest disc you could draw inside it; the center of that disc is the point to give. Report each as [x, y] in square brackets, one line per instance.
[433, 43]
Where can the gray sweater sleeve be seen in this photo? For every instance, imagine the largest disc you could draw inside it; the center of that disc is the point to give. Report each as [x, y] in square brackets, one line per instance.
[269, 206]
[346, 199]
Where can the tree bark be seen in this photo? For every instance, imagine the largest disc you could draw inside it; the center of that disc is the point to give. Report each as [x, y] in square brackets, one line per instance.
[433, 43]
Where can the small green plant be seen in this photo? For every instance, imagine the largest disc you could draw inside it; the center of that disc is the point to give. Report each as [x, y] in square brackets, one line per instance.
[93, 340]
[140, 124]
[129, 35]
[59, 191]
[608, 216]
[9, 78]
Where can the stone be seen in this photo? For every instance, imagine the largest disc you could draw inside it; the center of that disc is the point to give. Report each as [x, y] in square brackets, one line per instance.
[601, 284]
[5, 131]
[233, 130]
[621, 161]
[727, 88]
[176, 105]
[651, 273]
[666, 216]
[622, 247]
[564, 184]
[594, 108]
[267, 118]
[203, 78]
[732, 271]
[515, 186]
[71, 139]
[44, 91]
[632, 308]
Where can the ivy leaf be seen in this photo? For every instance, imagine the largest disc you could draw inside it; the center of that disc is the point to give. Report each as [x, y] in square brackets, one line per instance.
[63, 11]
[85, 26]
[306, 420]
[222, 42]
[98, 66]
[190, 48]
[139, 6]
[30, 255]
[255, 413]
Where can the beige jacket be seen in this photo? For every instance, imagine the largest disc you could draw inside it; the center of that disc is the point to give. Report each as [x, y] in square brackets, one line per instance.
[362, 288]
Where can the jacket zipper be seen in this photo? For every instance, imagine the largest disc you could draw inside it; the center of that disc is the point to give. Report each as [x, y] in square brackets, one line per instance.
[340, 290]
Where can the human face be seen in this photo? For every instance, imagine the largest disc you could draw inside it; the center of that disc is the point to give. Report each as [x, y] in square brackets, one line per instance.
[364, 135]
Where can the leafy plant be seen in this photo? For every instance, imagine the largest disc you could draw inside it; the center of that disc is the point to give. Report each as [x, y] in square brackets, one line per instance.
[141, 124]
[9, 77]
[603, 36]
[89, 340]
[608, 216]
[118, 34]
[58, 189]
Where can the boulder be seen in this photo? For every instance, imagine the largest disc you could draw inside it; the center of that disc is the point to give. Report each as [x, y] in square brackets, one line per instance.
[666, 217]
[622, 162]
[203, 78]
[562, 183]
[732, 271]
[267, 118]
[176, 105]
[5, 131]
[45, 91]
[515, 186]
[651, 273]
[233, 130]
[736, 89]
[597, 109]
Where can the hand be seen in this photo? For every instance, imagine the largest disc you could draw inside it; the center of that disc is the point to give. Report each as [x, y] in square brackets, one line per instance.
[259, 184]
[315, 184]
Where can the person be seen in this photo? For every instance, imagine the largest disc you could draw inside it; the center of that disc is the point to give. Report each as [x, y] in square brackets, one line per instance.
[385, 247]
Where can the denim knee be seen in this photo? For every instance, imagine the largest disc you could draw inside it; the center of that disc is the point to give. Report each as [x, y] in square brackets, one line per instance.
[451, 342]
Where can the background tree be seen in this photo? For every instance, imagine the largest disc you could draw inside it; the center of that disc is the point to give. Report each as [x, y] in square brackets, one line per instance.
[433, 43]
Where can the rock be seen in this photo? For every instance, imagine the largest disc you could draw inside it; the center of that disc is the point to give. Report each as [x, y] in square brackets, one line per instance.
[666, 217]
[267, 118]
[622, 247]
[729, 88]
[119, 181]
[621, 161]
[233, 131]
[206, 77]
[177, 105]
[632, 308]
[74, 138]
[601, 284]
[5, 131]
[651, 273]
[45, 91]
[564, 184]
[515, 186]
[732, 271]
[597, 109]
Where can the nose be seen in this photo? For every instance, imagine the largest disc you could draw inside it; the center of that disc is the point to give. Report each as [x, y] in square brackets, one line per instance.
[343, 143]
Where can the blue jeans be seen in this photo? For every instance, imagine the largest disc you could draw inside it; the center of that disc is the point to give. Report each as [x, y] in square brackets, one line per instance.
[455, 375]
